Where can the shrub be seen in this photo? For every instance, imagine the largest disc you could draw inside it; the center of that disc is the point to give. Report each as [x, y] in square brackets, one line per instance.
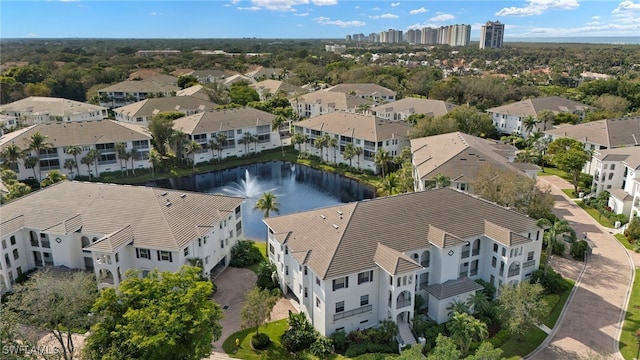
[339, 339]
[359, 349]
[321, 347]
[265, 276]
[578, 249]
[489, 288]
[260, 341]
[553, 283]
[499, 338]
[633, 231]
[244, 253]
[300, 335]
[558, 248]
[429, 330]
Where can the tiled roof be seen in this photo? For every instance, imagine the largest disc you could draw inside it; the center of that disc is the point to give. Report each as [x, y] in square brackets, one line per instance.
[362, 89]
[343, 239]
[222, 120]
[273, 86]
[394, 262]
[197, 91]
[620, 194]
[11, 224]
[65, 227]
[531, 107]
[452, 288]
[460, 156]
[611, 133]
[151, 107]
[366, 127]
[629, 155]
[429, 107]
[50, 106]
[328, 99]
[79, 133]
[158, 218]
[155, 84]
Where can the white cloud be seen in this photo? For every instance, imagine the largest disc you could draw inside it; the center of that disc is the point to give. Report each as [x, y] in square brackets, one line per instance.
[538, 7]
[277, 5]
[384, 16]
[601, 29]
[421, 26]
[442, 17]
[324, 2]
[627, 12]
[356, 7]
[31, 35]
[418, 11]
[154, 13]
[327, 21]
[376, 9]
[234, 2]
[595, 17]
[250, 8]
[395, 4]
[627, 6]
[302, 14]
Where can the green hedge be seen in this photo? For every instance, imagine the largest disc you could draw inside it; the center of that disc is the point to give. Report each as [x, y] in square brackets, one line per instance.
[364, 348]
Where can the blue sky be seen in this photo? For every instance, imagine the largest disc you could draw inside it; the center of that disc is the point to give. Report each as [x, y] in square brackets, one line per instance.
[310, 18]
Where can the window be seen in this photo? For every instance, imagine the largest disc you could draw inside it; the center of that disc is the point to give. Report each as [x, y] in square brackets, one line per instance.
[305, 270]
[340, 283]
[306, 292]
[165, 256]
[504, 251]
[271, 250]
[221, 244]
[13, 240]
[495, 248]
[613, 166]
[339, 307]
[317, 281]
[15, 254]
[610, 176]
[186, 251]
[317, 302]
[4, 244]
[117, 259]
[494, 261]
[530, 256]
[286, 271]
[143, 253]
[364, 300]
[364, 277]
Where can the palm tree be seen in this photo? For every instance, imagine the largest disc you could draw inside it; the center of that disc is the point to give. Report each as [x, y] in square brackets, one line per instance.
[94, 156]
[254, 139]
[154, 160]
[12, 154]
[333, 143]
[464, 329]
[319, 143]
[297, 139]
[70, 164]
[529, 123]
[213, 146]
[305, 141]
[382, 160]
[480, 304]
[38, 143]
[133, 155]
[31, 162]
[556, 229]
[441, 181]
[53, 177]
[458, 307]
[357, 151]
[75, 150]
[276, 124]
[221, 138]
[267, 203]
[121, 151]
[363, 108]
[178, 140]
[389, 185]
[87, 160]
[348, 153]
[246, 139]
[192, 149]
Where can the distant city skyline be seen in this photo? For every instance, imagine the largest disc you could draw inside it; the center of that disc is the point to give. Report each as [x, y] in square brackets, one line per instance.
[331, 19]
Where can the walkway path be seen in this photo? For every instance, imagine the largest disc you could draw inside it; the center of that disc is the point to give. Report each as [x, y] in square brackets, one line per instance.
[593, 319]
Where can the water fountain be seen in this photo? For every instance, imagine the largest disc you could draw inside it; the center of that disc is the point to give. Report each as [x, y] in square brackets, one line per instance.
[248, 187]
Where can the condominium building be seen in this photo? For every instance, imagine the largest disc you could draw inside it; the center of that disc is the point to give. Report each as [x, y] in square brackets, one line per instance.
[130, 91]
[491, 35]
[350, 266]
[46, 110]
[108, 229]
[618, 172]
[142, 111]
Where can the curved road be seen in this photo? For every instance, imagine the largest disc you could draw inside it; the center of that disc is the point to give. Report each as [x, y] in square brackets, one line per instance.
[593, 319]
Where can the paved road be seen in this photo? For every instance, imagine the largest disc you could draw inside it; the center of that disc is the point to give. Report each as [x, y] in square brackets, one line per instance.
[593, 319]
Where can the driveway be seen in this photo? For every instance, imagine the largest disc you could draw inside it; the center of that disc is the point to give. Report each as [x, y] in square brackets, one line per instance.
[592, 321]
[232, 285]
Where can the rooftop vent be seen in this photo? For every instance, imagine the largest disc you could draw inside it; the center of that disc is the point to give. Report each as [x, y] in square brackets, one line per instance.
[322, 216]
[339, 212]
[168, 203]
[183, 195]
[334, 226]
[164, 193]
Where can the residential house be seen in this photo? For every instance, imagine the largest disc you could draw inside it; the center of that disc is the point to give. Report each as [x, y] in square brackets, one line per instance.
[268, 88]
[130, 91]
[618, 172]
[212, 75]
[101, 135]
[601, 134]
[323, 102]
[8, 123]
[197, 91]
[368, 132]
[510, 118]
[374, 92]
[142, 111]
[44, 110]
[461, 157]
[350, 266]
[401, 109]
[263, 73]
[109, 229]
[230, 80]
[235, 124]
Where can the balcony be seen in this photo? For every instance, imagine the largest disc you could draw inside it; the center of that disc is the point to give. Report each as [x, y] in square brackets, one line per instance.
[350, 313]
[403, 303]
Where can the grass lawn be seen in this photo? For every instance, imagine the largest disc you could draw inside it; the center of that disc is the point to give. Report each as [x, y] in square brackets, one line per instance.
[559, 305]
[275, 350]
[569, 193]
[603, 220]
[623, 240]
[515, 348]
[628, 342]
[263, 250]
[549, 171]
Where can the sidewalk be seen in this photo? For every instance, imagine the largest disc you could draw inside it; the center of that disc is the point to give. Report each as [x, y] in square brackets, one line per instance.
[593, 319]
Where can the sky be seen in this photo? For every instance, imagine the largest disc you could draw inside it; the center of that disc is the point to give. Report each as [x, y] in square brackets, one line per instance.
[310, 18]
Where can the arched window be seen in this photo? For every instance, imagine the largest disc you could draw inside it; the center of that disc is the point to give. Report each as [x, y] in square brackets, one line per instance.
[426, 259]
[514, 269]
[84, 241]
